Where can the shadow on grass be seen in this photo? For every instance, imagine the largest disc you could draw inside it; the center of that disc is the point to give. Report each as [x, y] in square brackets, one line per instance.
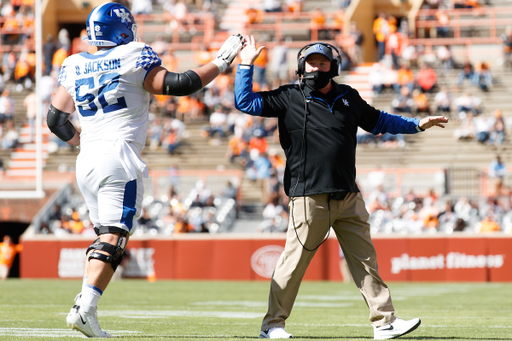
[184, 337]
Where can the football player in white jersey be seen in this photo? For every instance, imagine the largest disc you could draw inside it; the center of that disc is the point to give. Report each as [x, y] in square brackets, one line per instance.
[110, 92]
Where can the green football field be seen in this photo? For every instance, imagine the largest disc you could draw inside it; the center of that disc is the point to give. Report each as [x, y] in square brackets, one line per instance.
[211, 310]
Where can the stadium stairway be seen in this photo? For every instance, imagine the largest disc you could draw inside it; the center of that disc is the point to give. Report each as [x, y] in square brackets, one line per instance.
[23, 159]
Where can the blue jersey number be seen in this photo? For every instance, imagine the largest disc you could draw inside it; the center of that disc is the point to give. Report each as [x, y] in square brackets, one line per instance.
[108, 82]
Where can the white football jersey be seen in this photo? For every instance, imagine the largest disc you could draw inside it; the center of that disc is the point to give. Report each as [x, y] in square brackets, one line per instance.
[108, 90]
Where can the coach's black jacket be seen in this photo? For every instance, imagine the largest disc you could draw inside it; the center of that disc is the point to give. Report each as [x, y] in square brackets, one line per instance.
[320, 147]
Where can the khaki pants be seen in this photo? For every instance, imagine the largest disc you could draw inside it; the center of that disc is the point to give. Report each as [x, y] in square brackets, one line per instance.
[349, 219]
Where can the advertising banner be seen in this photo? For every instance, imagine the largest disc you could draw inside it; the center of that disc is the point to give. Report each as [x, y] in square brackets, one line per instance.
[476, 258]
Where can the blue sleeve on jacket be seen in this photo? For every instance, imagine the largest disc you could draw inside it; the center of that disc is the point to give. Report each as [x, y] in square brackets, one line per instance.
[245, 100]
[395, 124]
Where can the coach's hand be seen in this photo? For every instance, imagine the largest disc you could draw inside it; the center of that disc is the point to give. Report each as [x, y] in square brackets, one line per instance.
[228, 51]
[429, 122]
[249, 52]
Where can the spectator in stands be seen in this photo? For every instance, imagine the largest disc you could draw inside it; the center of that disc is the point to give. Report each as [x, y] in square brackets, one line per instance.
[7, 106]
[442, 22]
[338, 21]
[467, 103]
[9, 64]
[378, 195]
[200, 190]
[160, 46]
[169, 60]
[421, 103]
[376, 178]
[405, 77]
[183, 225]
[10, 27]
[56, 214]
[47, 88]
[218, 123]
[488, 224]
[142, 7]
[259, 166]
[463, 209]
[467, 72]
[443, 101]
[229, 191]
[279, 62]
[8, 251]
[467, 129]
[294, 6]
[76, 224]
[506, 38]
[410, 55]
[497, 172]
[376, 78]
[30, 103]
[22, 73]
[447, 219]
[482, 76]
[10, 135]
[272, 216]
[260, 68]
[318, 22]
[270, 6]
[258, 141]
[355, 50]
[394, 45]
[426, 78]
[498, 130]
[49, 49]
[254, 15]
[403, 103]
[174, 137]
[444, 55]
[64, 41]
[58, 59]
[483, 128]
[381, 31]
[155, 133]
[237, 147]
[204, 55]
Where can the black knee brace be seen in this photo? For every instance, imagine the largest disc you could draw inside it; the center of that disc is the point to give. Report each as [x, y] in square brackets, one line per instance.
[115, 252]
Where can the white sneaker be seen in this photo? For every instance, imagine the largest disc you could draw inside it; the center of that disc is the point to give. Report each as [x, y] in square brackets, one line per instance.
[396, 329]
[275, 333]
[85, 321]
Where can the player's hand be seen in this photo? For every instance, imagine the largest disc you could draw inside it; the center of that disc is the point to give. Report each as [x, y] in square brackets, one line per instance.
[228, 51]
[429, 122]
[249, 52]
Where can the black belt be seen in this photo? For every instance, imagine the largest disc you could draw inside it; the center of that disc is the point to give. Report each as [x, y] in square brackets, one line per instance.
[338, 195]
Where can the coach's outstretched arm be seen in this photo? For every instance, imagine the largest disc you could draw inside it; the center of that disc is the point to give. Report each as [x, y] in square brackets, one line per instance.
[159, 81]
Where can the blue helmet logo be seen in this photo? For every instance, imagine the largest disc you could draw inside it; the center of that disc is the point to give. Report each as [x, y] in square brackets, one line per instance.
[110, 24]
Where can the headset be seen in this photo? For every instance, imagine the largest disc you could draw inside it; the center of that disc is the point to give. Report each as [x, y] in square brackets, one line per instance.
[335, 62]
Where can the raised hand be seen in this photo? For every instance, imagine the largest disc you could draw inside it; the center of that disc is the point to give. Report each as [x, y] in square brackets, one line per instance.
[249, 52]
[429, 122]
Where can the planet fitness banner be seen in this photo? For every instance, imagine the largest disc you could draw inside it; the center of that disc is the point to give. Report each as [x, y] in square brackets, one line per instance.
[242, 257]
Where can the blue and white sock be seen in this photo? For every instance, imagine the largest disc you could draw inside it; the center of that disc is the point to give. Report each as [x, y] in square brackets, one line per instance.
[90, 295]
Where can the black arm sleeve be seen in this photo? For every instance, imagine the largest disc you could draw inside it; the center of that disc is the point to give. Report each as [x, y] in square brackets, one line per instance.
[181, 84]
[59, 124]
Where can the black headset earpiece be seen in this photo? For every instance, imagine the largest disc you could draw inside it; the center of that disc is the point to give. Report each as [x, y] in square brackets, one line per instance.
[335, 62]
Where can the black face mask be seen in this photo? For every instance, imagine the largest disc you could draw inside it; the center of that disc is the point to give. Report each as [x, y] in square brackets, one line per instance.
[317, 79]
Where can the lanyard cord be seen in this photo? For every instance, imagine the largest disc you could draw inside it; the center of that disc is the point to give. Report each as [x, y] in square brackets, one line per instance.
[303, 169]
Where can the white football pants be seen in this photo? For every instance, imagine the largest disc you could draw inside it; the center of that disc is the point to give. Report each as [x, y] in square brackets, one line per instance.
[114, 197]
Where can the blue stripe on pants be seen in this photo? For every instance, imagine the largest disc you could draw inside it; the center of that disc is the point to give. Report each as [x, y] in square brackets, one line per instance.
[130, 197]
